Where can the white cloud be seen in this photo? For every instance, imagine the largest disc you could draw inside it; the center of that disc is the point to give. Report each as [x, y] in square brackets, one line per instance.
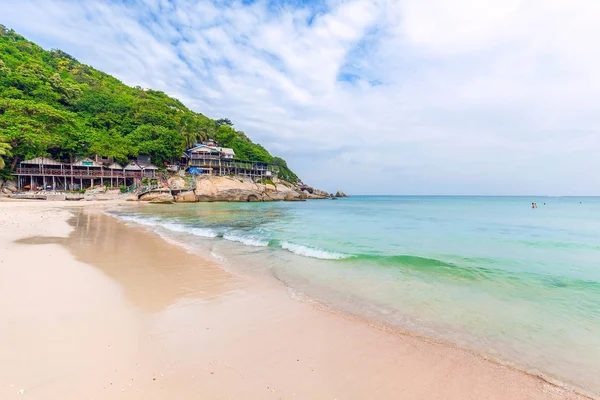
[437, 96]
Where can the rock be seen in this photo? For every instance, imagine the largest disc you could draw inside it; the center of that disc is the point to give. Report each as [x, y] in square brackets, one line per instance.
[95, 190]
[160, 197]
[186, 197]
[10, 186]
[163, 198]
[74, 197]
[204, 198]
[176, 182]
[254, 198]
[339, 193]
[6, 191]
[274, 196]
[293, 196]
[320, 194]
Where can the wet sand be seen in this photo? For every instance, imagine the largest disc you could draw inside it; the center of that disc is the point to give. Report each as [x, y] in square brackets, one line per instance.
[92, 308]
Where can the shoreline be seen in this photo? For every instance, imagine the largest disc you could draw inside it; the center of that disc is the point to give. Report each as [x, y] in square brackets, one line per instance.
[323, 306]
[262, 331]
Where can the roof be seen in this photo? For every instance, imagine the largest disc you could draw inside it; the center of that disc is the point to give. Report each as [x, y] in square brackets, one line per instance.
[202, 148]
[42, 161]
[115, 166]
[138, 166]
[86, 162]
[133, 166]
[227, 151]
[146, 165]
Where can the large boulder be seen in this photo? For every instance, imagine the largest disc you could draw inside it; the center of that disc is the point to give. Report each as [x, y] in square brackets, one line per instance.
[9, 187]
[339, 193]
[163, 198]
[254, 198]
[186, 197]
[321, 194]
[274, 196]
[176, 182]
[293, 196]
[160, 197]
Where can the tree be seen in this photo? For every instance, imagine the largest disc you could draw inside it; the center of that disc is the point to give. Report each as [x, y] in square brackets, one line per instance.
[52, 105]
[224, 121]
[31, 128]
[4, 152]
[192, 130]
[162, 144]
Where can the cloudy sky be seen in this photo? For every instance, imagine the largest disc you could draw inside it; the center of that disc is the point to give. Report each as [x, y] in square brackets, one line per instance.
[395, 97]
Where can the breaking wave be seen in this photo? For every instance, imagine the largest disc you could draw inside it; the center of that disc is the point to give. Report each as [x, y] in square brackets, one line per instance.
[247, 240]
[312, 252]
[173, 227]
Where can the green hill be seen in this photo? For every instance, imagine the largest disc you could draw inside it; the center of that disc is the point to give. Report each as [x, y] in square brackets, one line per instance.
[53, 105]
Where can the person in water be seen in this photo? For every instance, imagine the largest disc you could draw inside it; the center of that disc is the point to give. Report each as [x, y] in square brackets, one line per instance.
[533, 205]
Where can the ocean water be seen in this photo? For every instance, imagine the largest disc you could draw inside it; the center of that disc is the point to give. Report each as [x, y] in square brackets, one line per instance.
[491, 274]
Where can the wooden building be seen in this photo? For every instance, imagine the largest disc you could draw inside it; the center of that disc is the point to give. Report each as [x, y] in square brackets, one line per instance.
[46, 173]
[208, 158]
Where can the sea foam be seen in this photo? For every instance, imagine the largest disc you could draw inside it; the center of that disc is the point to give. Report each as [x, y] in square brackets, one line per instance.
[173, 227]
[247, 240]
[312, 252]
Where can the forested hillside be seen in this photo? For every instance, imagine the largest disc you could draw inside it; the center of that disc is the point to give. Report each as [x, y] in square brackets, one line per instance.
[52, 105]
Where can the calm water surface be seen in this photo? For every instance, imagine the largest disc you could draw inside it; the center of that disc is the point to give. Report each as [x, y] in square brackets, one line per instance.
[490, 274]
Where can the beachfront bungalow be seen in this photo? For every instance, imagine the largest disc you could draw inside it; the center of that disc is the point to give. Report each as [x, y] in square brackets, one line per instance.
[46, 173]
[141, 169]
[208, 158]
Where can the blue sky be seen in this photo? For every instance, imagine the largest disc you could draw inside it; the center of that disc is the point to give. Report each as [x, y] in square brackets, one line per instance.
[395, 97]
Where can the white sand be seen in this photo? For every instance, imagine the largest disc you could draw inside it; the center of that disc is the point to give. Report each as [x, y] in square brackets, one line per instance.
[108, 311]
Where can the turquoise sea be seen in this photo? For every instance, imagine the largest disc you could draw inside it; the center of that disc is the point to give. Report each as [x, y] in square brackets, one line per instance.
[490, 274]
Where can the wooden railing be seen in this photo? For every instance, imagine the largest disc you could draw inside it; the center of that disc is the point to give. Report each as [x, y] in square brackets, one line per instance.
[105, 173]
[233, 164]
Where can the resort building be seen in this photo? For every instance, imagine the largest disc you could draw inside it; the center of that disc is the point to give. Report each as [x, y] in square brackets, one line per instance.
[204, 158]
[208, 158]
[47, 173]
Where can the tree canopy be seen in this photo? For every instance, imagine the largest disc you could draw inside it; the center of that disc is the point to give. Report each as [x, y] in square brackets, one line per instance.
[53, 105]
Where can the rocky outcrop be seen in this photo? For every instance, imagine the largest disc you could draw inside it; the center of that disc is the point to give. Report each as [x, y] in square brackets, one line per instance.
[339, 193]
[239, 189]
[231, 189]
[313, 193]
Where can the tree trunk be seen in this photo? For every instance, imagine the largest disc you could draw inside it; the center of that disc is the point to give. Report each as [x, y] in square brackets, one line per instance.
[13, 163]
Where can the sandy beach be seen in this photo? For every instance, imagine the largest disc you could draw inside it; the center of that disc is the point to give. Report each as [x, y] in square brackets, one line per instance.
[92, 308]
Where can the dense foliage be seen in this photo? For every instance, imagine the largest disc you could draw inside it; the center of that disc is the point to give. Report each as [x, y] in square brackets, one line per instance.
[52, 105]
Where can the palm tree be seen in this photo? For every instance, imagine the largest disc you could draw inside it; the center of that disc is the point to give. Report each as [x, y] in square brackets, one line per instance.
[4, 151]
[189, 132]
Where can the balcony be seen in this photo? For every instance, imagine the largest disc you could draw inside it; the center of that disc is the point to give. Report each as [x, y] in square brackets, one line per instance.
[91, 173]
